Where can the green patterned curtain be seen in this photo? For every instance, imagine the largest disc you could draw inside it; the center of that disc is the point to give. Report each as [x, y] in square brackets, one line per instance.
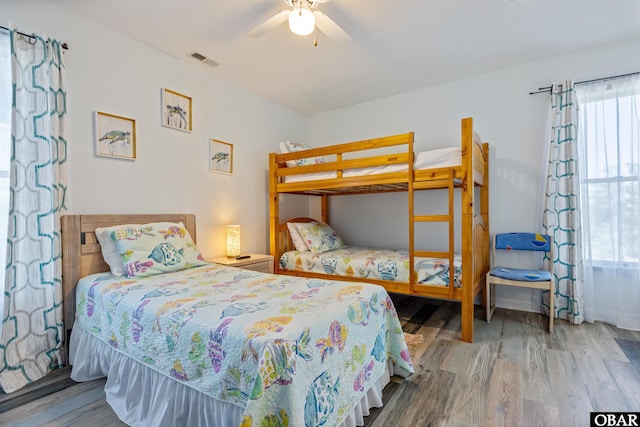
[32, 332]
[561, 213]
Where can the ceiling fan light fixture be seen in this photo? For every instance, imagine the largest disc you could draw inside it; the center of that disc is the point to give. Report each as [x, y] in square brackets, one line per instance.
[301, 21]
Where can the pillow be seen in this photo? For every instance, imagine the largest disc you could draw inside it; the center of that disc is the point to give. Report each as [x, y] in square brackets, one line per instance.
[319, 237]
[296, 238]
[438, 158]
[292, 147]
[476, 138]
[109, 250]
[155, 248]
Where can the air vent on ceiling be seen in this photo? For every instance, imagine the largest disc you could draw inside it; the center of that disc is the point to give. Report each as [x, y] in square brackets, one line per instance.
[200, 57]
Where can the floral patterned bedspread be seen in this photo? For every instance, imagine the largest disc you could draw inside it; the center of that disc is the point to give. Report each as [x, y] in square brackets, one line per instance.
[287, 350]
[373, 264]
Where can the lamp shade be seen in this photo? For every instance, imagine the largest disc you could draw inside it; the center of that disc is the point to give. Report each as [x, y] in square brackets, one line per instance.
[301, 21]
[233, 240]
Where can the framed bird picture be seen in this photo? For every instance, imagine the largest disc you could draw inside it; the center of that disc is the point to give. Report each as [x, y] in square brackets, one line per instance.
[115, 136]
[176, 110]
[220, 157]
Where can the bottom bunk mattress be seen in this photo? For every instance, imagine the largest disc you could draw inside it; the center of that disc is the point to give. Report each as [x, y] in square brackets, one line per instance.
[260, 348]
[371, 263]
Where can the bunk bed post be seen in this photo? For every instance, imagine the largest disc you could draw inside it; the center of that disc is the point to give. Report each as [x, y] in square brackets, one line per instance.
[413, 277]
[325, 208]
[451, 233]
[274, 212]
[484, 212]
[468, 275]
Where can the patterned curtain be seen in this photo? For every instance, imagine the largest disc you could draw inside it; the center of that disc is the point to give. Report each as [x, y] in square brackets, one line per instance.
[32, 332]
[561, 217]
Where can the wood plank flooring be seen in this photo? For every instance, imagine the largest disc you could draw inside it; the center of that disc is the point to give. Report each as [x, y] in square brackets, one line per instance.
[514, 374]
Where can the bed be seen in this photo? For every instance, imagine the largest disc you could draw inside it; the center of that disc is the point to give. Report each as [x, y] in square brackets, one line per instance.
[389, 164]
[214, 345]
[371, 264]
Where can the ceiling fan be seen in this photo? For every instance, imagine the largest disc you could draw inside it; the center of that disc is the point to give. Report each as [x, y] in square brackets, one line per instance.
[303, 19]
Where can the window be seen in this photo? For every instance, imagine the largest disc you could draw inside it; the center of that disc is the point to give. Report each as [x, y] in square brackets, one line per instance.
[609, 136]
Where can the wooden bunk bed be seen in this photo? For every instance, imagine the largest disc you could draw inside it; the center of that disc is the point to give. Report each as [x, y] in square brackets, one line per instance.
[471, 177]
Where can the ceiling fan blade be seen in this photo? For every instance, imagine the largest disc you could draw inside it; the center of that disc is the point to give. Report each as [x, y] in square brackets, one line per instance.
[330, 28]
[270, 23]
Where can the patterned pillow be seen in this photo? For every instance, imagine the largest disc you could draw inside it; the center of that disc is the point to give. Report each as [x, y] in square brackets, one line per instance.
[109, 250]
[291, 147]
[319, 237]
[155, 248]
[296, 238]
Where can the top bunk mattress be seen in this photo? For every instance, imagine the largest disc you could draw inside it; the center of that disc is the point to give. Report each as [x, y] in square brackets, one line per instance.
[368, 263]
[431, 159]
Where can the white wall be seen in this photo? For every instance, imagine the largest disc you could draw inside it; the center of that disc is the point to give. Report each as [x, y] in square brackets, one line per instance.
[505, 115]
[109, 72]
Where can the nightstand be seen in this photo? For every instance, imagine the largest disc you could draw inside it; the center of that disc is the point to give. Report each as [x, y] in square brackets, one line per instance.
[256, 262]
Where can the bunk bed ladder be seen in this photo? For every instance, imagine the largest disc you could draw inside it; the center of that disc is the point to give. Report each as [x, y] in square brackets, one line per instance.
[448, 218]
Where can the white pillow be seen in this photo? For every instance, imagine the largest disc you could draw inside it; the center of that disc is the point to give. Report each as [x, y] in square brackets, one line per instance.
[296, 238]
[292, 147]
[109, 250]
[476, 138]
[438, 158]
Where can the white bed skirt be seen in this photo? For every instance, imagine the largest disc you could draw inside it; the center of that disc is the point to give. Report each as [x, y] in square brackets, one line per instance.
[140, 396]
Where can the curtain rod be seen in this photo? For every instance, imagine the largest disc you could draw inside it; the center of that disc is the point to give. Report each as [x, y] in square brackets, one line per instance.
[31, 36]
[548, 88]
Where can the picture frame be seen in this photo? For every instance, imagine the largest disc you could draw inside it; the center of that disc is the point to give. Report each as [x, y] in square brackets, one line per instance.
[115, 136]
[176, 110]
[220, 157]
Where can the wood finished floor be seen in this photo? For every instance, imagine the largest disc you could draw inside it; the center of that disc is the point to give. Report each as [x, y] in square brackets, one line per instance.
[514, 374]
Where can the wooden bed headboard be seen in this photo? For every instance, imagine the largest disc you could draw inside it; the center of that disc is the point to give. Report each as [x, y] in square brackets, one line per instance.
[81, 254]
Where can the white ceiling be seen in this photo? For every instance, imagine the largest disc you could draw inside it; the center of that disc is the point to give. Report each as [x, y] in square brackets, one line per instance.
[396, 46]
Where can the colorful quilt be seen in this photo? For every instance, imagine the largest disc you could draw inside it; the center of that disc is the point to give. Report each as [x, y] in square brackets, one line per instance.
[373, 264]
[288, 350]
